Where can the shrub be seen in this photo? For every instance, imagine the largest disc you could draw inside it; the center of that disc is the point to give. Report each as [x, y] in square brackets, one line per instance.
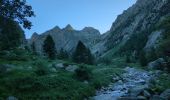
[83, 73]
[142, 59]
[41, 69]
[152, 55]
[97, 84]
[128, 60]
[105, 60]
[63, 54]
[16, 54]
[3, 69]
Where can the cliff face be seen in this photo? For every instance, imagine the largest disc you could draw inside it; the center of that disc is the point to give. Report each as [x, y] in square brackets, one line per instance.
[140, 18]
[66, 38]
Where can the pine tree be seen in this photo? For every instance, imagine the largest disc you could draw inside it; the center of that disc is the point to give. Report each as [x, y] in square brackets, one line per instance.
[49, 47]
[82, 54]
[13, 13]
[63, 54]
[11, 34]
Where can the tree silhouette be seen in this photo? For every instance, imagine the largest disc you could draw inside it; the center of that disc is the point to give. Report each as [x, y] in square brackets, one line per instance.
[49, 47]
[82, 54]
[16, 10]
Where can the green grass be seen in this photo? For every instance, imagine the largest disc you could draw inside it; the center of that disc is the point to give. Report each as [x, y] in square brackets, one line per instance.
[161, 83]
[23, 83]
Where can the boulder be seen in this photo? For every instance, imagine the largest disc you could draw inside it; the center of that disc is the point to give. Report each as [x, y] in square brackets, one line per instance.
[12, 98]
[116, 78]
[136, 91]
[156, 97]
[71, 68]
[59, 65]
[166, 94]
[146, 94]
[130, 98]
[5, 68]
[141, 98]
[157, 64]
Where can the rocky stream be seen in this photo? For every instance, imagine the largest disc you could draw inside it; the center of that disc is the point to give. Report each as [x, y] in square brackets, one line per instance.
[131, 85]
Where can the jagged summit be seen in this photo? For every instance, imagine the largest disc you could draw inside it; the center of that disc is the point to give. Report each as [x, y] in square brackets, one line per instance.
[34, 34]
[68, 27]
[88, 28]
[139, 18]
[67, 38]
[56, 28]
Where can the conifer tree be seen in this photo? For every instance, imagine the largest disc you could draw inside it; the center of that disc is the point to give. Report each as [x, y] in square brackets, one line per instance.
[82, 54]
[63, 54]
[49, 47]
[13, 13]
[11, 34]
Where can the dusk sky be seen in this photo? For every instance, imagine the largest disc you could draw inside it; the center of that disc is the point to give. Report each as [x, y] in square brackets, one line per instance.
[99, 14]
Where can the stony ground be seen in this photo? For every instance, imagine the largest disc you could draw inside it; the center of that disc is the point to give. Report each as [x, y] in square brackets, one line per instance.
[129, 84]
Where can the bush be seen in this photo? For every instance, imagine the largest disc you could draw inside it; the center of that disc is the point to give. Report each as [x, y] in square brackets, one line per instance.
[41, 69]
[152, 55]
[3, 69]
[105, 60]
[128, 60]
[83, 73]
[97, 84]
[16, 54]
[142, 59]
[62, 54]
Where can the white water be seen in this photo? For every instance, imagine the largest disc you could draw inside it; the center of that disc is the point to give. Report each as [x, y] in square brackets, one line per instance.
[132, 78]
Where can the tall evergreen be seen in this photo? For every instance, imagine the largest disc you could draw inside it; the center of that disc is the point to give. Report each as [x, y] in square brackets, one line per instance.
[63, 54]
[82, 54]
[11, 34]
[13, 13]
[49, 47]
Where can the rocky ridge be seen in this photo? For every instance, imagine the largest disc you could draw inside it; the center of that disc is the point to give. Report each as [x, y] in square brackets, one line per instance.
[140, 18]
[66, 38]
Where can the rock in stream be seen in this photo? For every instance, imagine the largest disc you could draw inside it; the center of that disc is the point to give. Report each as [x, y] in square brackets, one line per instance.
[131, 84]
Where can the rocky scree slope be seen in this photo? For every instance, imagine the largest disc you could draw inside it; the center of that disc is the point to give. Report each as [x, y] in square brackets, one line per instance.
[141, 18]
[66, 38]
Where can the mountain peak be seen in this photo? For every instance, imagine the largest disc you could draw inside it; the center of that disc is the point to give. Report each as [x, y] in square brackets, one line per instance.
[35, 34]
[56, 28]
[68, 27]
[88, 29]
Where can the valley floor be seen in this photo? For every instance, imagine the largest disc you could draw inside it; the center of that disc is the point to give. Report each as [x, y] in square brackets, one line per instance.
[36, 78]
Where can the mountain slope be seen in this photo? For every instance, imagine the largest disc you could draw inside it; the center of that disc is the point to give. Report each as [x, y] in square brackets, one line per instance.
[67, 38]
[137, 22]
